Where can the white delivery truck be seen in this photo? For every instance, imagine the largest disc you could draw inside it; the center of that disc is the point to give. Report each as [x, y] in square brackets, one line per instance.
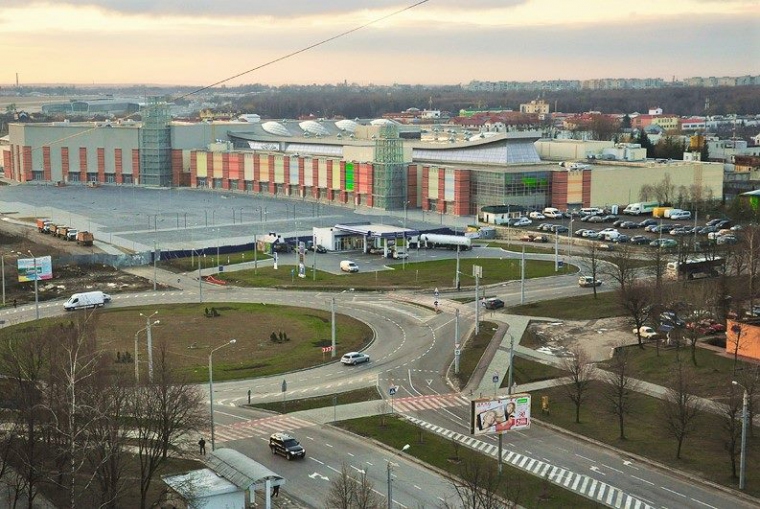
[86, 300]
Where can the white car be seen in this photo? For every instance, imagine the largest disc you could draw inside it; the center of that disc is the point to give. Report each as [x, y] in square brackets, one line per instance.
[522, 221]
[536, 215]
[352, 358]
[681, 214]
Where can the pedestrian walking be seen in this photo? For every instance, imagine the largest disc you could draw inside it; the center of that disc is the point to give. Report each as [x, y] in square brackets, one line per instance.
[202, 446]
[276, 491]
[14, 303]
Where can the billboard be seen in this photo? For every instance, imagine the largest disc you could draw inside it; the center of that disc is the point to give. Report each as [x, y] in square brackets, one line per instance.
[27, 266]
[500, 414]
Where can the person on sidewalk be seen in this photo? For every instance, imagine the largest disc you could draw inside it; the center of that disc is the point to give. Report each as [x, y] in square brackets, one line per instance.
[202, 446]
[276, 491]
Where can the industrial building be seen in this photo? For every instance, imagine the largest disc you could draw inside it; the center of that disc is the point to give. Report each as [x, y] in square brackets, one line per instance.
[374, 163]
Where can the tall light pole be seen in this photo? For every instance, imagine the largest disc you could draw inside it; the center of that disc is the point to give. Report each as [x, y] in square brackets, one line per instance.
[211, 384]
[137, 355]
[148, 325]
[36, 293]
[745, 420]
[390, 479]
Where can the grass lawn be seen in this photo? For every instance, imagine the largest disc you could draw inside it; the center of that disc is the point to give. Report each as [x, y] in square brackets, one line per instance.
[583, 307]
[703, 453]
[431, 274]
[473, 350]
[343, 398]
[190, 264]
[714, 373]
[528, 371]
[525, 489]
[189, 337]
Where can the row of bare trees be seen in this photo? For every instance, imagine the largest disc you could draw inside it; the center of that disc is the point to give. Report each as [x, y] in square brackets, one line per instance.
[77, 424]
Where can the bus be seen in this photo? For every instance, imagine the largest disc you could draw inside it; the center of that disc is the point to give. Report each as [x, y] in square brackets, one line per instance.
[694, 267]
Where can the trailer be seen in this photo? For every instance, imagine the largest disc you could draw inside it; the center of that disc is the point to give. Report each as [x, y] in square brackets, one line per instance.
[695, 267]
[434, 240]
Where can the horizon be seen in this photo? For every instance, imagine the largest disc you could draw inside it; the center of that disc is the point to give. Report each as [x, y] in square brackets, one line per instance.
[427, 42]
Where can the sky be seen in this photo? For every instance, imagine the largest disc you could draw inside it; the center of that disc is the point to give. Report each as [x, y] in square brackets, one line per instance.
[202, 42]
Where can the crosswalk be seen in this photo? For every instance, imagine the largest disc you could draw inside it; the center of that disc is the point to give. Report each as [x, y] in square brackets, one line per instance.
[578, 483]
[420, 403]
[259, 427]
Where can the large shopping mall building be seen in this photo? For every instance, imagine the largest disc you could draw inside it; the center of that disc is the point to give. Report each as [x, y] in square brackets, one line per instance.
[378, 163]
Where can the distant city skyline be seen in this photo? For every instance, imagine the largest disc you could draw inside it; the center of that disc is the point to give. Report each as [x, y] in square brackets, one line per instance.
[438, 42]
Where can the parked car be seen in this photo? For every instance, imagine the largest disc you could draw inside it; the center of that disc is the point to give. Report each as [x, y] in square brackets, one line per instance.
[544, 227]
[639, 239]
[588, 282]
[646, 332]
[707, 326]
[621, 237]
[726, 240]
[647, 222]
[581, 231]
[593, 219]
[670, 318]
[536, 215]
[609, 218]
[318, 248]
[628, 224]
[352, 358]
[558, 228]
[287, 446]
[664, 243]
[493, 303]
[400, 255]
[522, 221]
[530, 237]
[681, 214]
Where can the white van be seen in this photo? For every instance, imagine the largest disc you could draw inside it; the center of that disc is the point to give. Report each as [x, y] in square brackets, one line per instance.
[348, 266]
[591, 211]
[86, 300]
[552, 213]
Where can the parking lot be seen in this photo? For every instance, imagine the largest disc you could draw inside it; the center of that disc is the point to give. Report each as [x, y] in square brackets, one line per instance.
[611, 229]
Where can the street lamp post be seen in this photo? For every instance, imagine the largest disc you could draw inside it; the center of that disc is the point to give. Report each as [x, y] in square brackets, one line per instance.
[390, 479]
[148, 326]
[211, 385]
[745, 420]
[36, 292]
[137, 355]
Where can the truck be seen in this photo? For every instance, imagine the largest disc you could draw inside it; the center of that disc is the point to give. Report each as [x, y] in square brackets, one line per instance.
[432, 240]
[694, 267]
[71, 234]
[660, 211]
[638, 208]
[61, 231]
[49, 228]
[95, 299]
[41, 222]
[85, 238]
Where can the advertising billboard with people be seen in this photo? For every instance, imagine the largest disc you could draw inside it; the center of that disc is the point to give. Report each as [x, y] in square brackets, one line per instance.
[500, 414]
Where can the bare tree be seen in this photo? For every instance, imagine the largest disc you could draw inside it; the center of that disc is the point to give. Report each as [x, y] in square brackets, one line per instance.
[681, 407]
[623, 266]
[162, 412]
[581, 373]
[734, 340]
[619, 386]
[636, 299]
[352, 492]
[731, 426]
[594, 261]
[478, 485]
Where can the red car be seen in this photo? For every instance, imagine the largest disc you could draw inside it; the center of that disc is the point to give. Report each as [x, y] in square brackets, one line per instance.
[707, 326]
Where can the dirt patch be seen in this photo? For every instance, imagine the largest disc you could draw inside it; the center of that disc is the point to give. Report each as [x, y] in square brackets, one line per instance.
[18, 240]
[596, 337]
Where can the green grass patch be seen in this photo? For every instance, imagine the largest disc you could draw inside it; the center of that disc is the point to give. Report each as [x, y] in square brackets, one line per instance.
[431, 274]
[343, 398]
[713, 373]
[703, 453]
[582, 307]
[189, 336]
[473, 350]
[528, 371]
[210, 260]
[525, 489]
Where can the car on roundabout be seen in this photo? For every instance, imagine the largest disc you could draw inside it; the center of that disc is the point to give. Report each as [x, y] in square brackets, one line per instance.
[493, 303]
[588, 282]
[354, 358]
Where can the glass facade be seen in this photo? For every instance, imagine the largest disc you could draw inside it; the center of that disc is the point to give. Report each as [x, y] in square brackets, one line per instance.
[528, 189]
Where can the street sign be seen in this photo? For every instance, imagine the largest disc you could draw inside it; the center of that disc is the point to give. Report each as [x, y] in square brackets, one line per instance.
[326, 349]
[392, 390]
[457, 351]
[436, 293]
[495, 379]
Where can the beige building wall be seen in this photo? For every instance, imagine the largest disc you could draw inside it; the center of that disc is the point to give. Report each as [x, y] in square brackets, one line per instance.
[620, 184]
[569, 150]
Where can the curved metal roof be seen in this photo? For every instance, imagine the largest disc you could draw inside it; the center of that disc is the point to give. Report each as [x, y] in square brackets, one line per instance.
[275, 128]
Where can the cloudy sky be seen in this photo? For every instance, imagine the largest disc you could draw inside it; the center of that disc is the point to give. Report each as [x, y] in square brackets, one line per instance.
[199, 42]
